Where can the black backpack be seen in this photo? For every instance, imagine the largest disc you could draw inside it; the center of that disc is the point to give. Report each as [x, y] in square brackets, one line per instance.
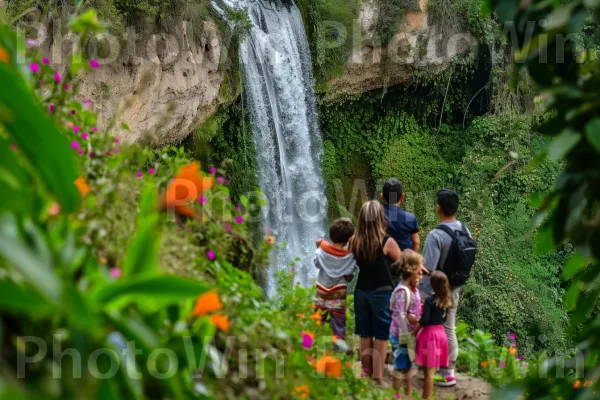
[461, 256]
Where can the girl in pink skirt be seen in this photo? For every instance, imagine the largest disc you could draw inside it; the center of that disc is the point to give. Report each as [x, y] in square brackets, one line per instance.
[432, 342]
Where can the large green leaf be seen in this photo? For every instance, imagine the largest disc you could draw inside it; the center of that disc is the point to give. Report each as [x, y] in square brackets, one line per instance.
[15, 183]
[141, 287]
[142, 253]
[79, 310]
[37, 137]
[563, 144]
[18, 300]
[36, 270]
[592, 133]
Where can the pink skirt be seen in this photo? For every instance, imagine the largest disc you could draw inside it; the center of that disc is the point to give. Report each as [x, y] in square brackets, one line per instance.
[432, 347]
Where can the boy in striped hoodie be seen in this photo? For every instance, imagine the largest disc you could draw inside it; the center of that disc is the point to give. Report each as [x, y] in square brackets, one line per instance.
[336, 265]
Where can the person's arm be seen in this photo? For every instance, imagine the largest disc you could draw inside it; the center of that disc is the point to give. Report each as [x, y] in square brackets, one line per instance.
[431, 253]
[416, 241]
[417, 328]
[319, 241]
[412, 319]
[392, 250]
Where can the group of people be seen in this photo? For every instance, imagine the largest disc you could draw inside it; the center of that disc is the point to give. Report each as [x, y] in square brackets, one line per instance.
[400, 296]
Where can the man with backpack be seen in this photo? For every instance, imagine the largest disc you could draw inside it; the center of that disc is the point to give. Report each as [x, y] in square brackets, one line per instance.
[450, 249]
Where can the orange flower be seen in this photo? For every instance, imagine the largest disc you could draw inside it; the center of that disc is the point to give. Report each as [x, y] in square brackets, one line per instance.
[300, 316]
[186, 187]
[330, 366]
[577, 384]
[270, 240]
[220, 321]
[349, 364]
[4, 56]
[512, 351]
[302, 391]
[82, 186]
[316, 315]
[206, 303]
[485, 364]
[587, 383]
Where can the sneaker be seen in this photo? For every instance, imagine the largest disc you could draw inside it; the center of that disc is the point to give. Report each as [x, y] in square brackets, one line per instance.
[446, 378]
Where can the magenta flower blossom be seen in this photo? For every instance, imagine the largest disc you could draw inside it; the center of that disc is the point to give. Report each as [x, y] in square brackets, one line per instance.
[139, 174]
[238, 208]
[57, 77]
[13, 146]
[521, 357]
[213, 170]
[116, 151]
[117, 140]
[107, 153]
[35, 68]
[88, 103]
[202, 199]
[31, 42]
[51, 108]
[151, 171]
[501, 365]
[293, 270]
[94, 64]
[268, 231]
[227, 227]
[75, 128]
[512, 336]
[210, 255]
[220, 179]
[42, 83]
[514, 344]
[397, 395]
[68, 87]
[239, 220]
[73, 112]
[524, 365]
[307, 340]
[94, 129]
[81, 152]
[85, 135]
[227, 182]
[92, 154]
[45, 61]
[115, 272]
[75, 145]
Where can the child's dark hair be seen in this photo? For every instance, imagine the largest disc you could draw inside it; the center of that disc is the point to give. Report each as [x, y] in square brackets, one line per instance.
[441, 288]
[341, 230]
[408, 264]
[392, 191]
[448, 201]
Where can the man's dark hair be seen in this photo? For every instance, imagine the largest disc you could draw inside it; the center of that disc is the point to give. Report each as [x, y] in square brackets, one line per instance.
[448, 201]
[392, 190]
[341, 230]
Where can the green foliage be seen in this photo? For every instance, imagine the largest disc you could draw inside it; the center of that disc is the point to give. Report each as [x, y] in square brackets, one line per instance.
[452, 16]
[391, 16]
[568, 81]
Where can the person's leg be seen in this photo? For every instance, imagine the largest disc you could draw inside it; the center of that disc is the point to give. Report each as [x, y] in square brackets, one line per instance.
[379, 355]
[450, 327]
[408, 384]
[338, 323]
[428, 384]
[366, 355]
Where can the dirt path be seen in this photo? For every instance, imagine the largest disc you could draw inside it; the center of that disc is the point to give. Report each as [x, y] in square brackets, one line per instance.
[467, 388]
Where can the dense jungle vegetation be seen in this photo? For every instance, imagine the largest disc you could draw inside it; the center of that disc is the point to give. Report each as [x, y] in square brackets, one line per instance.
[94, 262]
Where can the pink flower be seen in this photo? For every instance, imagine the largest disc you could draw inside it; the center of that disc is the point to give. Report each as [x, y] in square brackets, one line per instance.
[57, 77]
[268, 231]
[31, 42]
[293, 269]
[85, 136]
[139, 174]
[68, 87]
[92, 154]
[210, 255]
[73, 112]
[512, 336]
[521, 357]
[238, 208]
[307, 340]
[117, 140]
[202, 199]
[239, 220]
[45, 61]
[75, 128]
[227, 182]
[94, 64]
[35, 68]
[88, 103]
[220, 179]
[107, 153]
[51, 108]
[501, 364]
[94, 129]
[13, 146]
[115, 272]
[80, 152]
[75, 145]
[116, 151]
[397, 395]
[227, 227]
[151, 171]
[213, 170]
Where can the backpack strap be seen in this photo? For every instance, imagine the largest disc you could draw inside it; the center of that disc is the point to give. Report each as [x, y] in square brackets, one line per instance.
[464, 229]
[448, 230]
[408, 296]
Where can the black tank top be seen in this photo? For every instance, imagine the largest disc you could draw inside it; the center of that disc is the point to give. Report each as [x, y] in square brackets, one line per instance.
[374, 274]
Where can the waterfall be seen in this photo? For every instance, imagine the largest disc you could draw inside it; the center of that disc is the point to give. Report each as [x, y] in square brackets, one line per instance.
[280, 98]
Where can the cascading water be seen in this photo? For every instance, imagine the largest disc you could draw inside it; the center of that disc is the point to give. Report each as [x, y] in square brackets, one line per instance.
[282, 107]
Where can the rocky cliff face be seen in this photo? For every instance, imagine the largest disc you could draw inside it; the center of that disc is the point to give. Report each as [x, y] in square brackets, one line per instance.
[161, 86]
[418, 44]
